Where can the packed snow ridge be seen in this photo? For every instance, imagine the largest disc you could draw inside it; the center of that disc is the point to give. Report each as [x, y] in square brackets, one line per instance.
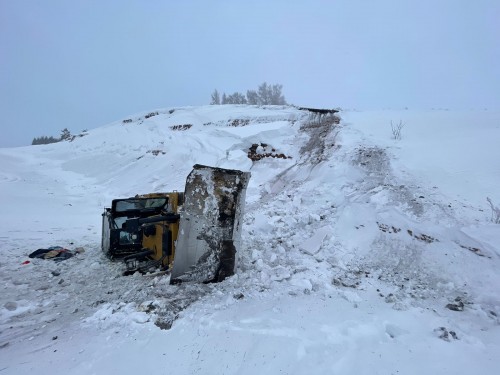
[361, 253]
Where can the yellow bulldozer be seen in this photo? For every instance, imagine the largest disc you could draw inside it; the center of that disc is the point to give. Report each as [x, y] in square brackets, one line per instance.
[142, 230]
[195, 235]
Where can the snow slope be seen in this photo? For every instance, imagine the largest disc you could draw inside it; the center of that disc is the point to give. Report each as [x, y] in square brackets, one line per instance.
[362, 254]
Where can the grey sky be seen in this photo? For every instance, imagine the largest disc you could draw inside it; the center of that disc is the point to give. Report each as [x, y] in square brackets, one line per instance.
[81, 64]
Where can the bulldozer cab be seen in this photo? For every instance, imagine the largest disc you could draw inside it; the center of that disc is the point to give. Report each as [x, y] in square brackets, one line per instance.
[149, 230]
[142, 230]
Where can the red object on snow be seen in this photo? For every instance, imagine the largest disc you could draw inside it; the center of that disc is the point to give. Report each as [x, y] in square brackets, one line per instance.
[26, 262]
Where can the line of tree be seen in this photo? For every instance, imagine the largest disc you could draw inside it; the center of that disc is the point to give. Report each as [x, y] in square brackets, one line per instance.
[45, 140]
[264, 95]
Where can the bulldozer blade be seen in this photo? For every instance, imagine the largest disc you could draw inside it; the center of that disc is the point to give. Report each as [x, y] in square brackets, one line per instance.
[210, 225]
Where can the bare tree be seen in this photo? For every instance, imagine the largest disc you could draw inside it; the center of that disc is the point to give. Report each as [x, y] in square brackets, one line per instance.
[495, 212]
[265, 93]
[277, 97]
[215, 98]
[252, 97]
[396, 130]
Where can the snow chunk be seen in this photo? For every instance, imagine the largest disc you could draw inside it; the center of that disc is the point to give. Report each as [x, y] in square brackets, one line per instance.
[110, 315]
[313, 244]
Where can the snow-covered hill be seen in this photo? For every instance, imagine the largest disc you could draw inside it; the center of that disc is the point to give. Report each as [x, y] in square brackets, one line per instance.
[361, 254]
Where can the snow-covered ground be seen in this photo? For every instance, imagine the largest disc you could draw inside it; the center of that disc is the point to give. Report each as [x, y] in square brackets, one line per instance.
[361, 254]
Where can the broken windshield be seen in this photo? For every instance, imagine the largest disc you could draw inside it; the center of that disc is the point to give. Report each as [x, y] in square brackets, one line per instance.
[134, 204]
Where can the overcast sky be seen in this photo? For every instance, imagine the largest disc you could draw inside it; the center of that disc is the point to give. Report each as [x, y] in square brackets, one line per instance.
[81, 64]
